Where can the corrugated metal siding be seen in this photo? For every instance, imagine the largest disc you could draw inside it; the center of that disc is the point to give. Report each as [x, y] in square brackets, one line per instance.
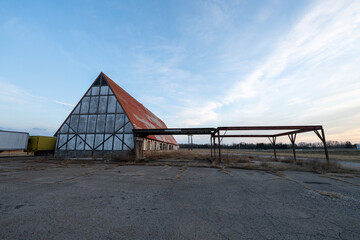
[13, 140]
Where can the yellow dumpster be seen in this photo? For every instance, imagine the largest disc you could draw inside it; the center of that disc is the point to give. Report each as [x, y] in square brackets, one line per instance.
[41, 145]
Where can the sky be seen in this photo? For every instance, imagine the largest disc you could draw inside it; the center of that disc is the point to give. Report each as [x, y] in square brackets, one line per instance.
[192, 63]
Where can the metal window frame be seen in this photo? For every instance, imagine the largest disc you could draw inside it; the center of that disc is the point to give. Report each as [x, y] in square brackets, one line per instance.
[93, 148]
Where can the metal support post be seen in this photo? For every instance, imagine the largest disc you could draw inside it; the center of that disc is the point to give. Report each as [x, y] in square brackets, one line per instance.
[219, 146]
[211, 153]
[214, 146]
[322, 138]
[191, 145]
[325, 146]
[273, 142]
[292, 138]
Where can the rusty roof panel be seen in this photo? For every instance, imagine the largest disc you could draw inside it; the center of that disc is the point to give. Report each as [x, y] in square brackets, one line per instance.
[138, 114]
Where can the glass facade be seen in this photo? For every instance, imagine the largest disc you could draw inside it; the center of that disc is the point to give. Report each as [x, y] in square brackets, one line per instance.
[98, 123]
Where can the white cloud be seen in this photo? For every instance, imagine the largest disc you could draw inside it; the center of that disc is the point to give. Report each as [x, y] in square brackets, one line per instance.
[326, 32]
[199, 114]
[64, 103]
[11, 93]
[309, 75]
[26, 112]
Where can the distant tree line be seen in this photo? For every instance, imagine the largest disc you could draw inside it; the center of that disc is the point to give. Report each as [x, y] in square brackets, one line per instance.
[302, 145]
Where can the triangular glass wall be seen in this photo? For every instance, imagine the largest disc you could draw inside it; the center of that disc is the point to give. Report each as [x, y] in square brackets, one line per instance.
[97, 123]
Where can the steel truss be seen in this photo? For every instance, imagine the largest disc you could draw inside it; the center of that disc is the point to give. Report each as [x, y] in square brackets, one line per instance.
[218, 134]
[290, 131]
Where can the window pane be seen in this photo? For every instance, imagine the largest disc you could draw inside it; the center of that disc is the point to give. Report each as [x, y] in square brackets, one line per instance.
[128, 128]
[104, 90]
[110, 121]
[129, 140]
[108, 143]
[91, 124]
[99, 138]
[119, 122]
[89, 141]
[74, 120]
[62, 140]
[85, 105]
[117, 142]
[82, 123]
[80, 142]
[103, 104]
[100, 126]
[71, 143]
[64, 128]
[95, 91]
[119, 108]
[77, 109]
[94, 104]
[112, 104]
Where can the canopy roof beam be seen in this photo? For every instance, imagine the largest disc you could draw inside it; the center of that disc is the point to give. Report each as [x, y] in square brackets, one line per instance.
[217, 133]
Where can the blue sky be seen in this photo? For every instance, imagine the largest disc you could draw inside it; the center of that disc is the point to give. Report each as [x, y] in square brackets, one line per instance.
[192, 63]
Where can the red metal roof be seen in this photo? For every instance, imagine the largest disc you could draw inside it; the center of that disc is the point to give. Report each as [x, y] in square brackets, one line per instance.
[139, 116]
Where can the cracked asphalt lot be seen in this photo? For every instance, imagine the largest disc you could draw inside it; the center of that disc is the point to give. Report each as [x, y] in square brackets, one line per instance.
[99, 201]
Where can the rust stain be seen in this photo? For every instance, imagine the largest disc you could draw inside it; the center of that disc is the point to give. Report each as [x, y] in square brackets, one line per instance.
[138, 114]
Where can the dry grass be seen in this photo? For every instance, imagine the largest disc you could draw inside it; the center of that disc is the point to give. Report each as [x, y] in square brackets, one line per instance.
[13, 153]
[328, 194]
[231, 159]
[196, 155]
[264, 164]
[343, 175]
[196, 158]
[87, 173]
[343, 155]
[224, 170]
[287, 160]
[321, 167]
[248, 166]
[316, 166]
[180, 154]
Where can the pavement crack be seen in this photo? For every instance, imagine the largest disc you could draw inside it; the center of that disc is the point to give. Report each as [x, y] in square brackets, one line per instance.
[224, 170]
[182, 169]
[323, 193]
[270, 218]
[72, 178]
[339, 179]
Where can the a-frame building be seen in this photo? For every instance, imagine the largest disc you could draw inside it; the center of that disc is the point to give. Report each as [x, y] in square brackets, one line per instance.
[102, 123]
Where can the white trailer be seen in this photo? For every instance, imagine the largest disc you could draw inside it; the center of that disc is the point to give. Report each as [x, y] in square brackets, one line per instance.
[10, 140]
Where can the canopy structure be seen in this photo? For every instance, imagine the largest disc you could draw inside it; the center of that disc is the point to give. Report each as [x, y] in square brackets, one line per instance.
[290, 131]
[217, 134]
[175, 131]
